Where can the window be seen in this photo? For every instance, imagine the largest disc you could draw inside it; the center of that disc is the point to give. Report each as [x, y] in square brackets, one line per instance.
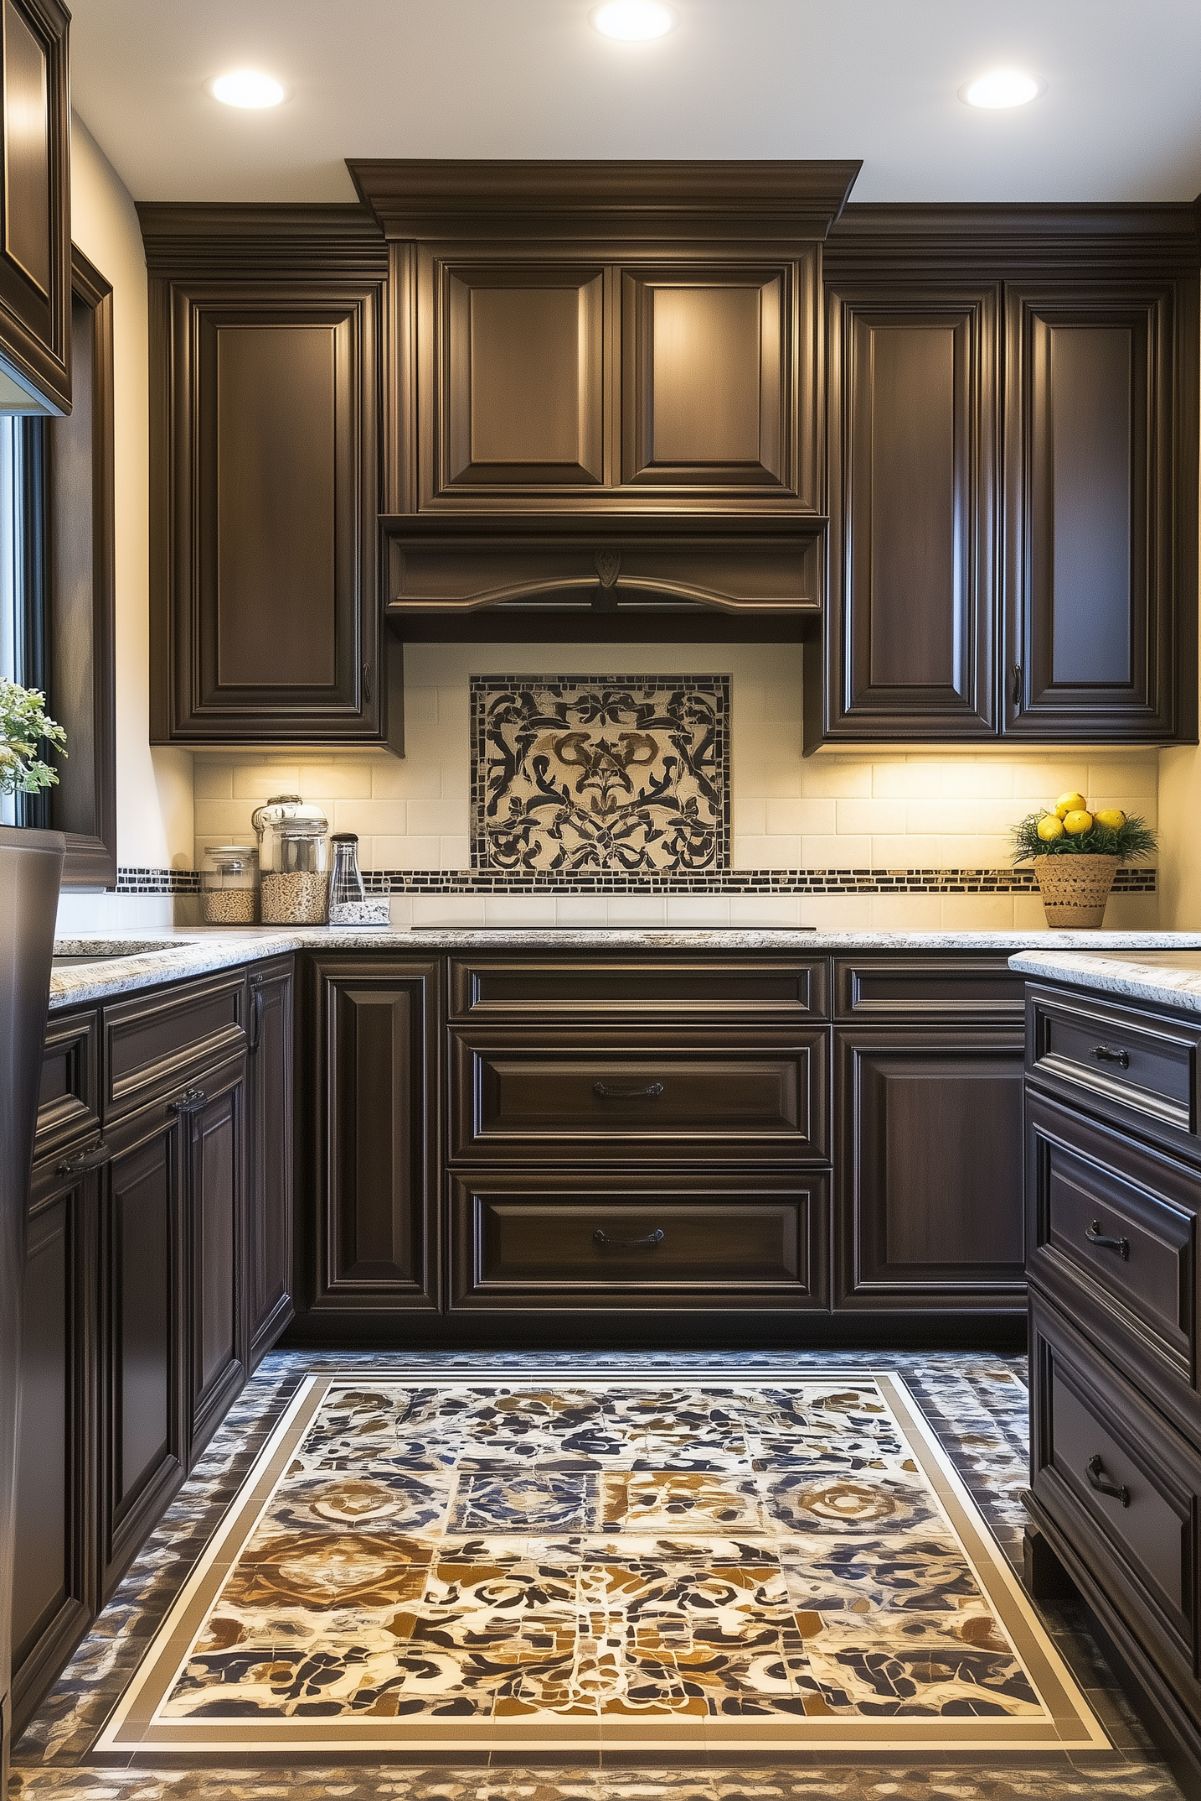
[22, 573]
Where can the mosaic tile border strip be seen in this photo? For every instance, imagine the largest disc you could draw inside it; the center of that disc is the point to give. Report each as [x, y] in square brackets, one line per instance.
[1054, 1718]
[628, 772]
[743, 881]
[136, 879]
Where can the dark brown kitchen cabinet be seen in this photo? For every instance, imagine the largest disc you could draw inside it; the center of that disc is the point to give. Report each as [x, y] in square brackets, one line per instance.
[143, 1333]
[929, 1169]
[268, 1262]
[214, 1124]
[35, 206]
[376, 1122]
[266, 623]
[912, 434]
[54, 1593]
[1100, 574]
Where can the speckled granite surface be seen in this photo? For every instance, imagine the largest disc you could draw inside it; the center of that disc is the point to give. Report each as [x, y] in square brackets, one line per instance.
[175, 955]
[976, 1404]
[1165, 977]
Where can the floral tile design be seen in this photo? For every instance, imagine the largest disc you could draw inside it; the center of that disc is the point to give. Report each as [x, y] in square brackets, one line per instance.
[594, 774]
[762, 1562]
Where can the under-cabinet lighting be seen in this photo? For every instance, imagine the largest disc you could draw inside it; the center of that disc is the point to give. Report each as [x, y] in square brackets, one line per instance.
[634, 21]
[248, 88]
[1001, 88]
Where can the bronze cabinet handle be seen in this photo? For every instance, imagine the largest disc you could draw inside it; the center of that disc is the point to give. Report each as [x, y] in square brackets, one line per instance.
[618, 1091]
[190, 1101]
[1094, 1469]
[603, 1242]
[1104, 1053]
[1103, 1242]
[1016, 687]
[82, 1161]
[256, 1012]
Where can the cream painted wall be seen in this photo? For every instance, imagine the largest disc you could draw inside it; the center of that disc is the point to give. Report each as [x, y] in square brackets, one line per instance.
[154, 786]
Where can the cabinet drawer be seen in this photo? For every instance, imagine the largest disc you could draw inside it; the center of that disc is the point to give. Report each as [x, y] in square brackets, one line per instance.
[151, 1047]
[600, 986]
[69, 1095]
[1134, 1063]
[1123, 1488]
[620, 1097]
[943, 990]
[1113, 1234]
[532, 1239]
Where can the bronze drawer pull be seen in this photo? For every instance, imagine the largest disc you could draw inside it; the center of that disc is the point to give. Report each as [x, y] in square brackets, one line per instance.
[83, 1161]
[190, 1101]
[1096, 1237]
[1095, 1471]
[1016, 685]
[603, 1242]
[615, 1091]
[1104, 1054]
[256, 1012]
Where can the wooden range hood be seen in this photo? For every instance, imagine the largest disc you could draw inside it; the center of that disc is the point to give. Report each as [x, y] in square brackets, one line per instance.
[604, 384]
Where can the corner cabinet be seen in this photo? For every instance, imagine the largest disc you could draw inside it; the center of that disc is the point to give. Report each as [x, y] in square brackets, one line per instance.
[35, 208]
[265, 611]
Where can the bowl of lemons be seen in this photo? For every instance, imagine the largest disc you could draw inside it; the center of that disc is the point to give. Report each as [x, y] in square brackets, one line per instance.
[1076, 851]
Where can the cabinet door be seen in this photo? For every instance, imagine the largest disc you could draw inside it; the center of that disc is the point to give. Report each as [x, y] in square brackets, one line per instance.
[1090, 492]
[514, 394]
[143, 1340]
[912, 433]
[713, 387]
[378, 1111]
[53, 1572]
[35, 232]
[930, 1169]
[265, 598]
[214, 1112]
[269, 1200]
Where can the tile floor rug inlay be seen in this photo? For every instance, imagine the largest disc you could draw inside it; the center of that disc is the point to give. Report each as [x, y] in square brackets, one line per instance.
[770, 1561]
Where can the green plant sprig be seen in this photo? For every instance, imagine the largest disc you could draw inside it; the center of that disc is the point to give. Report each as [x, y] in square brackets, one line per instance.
[1129, 842]
[24, 726]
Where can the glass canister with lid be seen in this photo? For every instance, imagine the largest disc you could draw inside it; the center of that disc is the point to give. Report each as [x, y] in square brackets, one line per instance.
[293, 861]
[229, 885]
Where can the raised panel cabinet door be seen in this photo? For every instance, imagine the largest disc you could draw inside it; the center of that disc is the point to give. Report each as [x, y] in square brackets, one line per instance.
[54, 1597]
[269, 1198]
[716, 372]
[214, 1112]
[378, 1106]
[35, 230]
[514, 403]
[912, 434]
[929, 1173]
[266, 602]
[143, 1336]
[1091, 628]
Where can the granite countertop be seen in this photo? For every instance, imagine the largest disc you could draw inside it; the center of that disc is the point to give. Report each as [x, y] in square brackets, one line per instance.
[1168, 975]
[135, 960]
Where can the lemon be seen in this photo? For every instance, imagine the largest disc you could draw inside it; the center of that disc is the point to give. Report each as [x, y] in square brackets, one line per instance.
[1112, 818]
[1077, 822]
[1070, 803]
[1050, 827]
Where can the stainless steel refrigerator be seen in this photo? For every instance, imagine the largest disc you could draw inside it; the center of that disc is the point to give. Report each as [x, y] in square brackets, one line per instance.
[30, 871]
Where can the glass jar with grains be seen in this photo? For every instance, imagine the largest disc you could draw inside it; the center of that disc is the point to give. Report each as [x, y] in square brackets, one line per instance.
[229, 885]
[294, 860]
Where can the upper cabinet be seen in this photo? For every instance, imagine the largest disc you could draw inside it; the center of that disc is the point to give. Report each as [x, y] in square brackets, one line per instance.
[266, 623]
[35, 204]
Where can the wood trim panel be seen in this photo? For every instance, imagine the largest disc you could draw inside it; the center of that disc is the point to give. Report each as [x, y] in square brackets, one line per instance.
[905, 989]
[35, 280]
[69, 1097]
[510, 989]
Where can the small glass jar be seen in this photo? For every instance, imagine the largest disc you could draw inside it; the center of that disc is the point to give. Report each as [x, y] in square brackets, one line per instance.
[229, 885]
[294, 861]
[348, 902]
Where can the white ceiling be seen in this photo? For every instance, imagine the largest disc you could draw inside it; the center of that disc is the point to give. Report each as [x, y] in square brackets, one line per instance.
[877, 79]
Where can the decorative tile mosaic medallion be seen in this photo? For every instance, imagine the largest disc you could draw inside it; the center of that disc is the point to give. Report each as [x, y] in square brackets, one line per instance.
[600, 773]
[762, 1562]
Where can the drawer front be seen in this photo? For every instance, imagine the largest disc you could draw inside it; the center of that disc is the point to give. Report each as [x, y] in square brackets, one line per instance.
[1142, 1064]
[1124, 1490]
[601, 986]
[617, 1097]
[943, 990]
[69, 1096]
[151, 1047]
[1113, 1234]
[530, 1239]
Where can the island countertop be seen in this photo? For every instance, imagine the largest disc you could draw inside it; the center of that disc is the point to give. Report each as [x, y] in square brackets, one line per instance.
[1166, 975]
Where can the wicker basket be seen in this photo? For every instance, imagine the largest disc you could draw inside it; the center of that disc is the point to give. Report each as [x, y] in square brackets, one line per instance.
[1075, 889]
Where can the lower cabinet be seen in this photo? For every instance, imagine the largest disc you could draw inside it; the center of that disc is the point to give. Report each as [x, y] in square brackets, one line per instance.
[929, 1170]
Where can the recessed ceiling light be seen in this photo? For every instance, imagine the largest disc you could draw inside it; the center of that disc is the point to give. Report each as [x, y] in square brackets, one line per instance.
[634, 21]
[247, 88]
[1001, 88]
